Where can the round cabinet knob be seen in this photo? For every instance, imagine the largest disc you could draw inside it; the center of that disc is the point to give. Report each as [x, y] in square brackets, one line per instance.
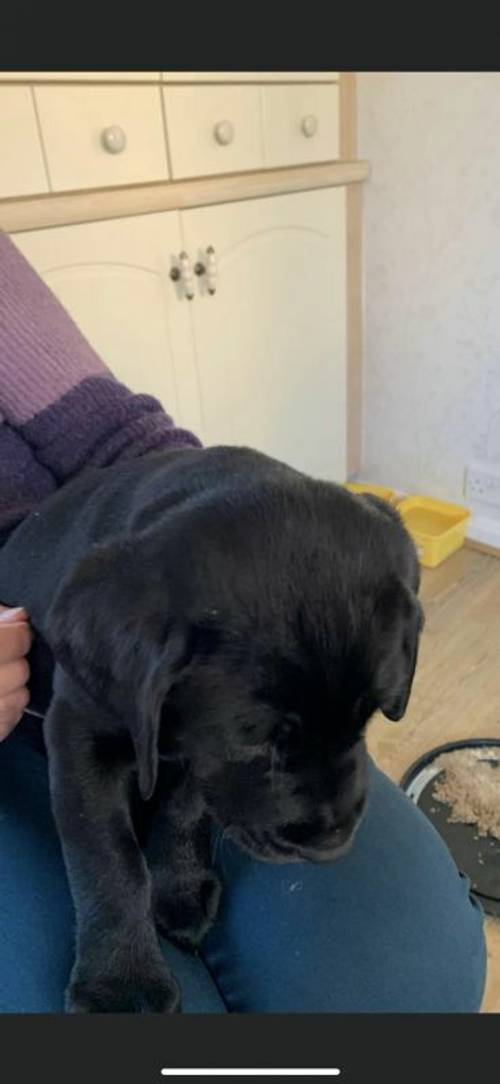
[309, 125]
[113, 139]
[224, 132]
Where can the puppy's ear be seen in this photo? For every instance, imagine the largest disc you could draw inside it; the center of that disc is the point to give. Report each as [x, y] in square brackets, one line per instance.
[399, 622]
[109, 628]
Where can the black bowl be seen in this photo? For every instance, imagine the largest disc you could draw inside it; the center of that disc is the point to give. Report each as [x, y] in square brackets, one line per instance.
[476, 856]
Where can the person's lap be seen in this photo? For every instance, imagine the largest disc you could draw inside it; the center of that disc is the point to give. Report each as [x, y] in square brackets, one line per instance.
[390, 927]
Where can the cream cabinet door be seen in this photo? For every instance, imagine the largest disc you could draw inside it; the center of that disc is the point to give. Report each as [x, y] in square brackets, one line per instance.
[114, 279]
[22, 170]
[260, 362]
[270, 342]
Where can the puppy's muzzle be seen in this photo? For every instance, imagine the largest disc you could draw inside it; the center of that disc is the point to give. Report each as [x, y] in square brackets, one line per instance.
[316, 846]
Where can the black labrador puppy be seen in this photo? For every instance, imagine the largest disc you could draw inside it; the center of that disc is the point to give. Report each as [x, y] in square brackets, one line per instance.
[214, 630]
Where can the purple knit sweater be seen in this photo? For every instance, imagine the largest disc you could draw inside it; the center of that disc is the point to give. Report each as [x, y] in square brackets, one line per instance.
[61, 409]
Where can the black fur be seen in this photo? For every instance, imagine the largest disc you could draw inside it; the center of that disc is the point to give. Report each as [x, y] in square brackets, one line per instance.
[223, 628]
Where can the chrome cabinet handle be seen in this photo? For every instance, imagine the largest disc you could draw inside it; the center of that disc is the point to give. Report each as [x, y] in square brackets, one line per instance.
[209, 269]
[184, 274]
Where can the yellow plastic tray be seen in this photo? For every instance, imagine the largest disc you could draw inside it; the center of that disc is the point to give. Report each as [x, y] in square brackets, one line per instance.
[437, 528]
[378, 491]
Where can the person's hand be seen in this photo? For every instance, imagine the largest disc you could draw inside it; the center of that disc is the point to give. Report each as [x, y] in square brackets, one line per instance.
[15, 642]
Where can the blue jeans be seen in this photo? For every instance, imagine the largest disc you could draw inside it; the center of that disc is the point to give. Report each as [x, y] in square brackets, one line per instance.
[390, 927]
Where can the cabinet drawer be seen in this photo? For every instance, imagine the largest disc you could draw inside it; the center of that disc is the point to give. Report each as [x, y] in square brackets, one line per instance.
[249, 77]
[100, 136]
[81, 77]
[301, 124]
[214, 129]
[22, 171]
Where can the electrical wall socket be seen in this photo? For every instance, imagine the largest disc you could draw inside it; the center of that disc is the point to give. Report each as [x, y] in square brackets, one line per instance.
[482, 482]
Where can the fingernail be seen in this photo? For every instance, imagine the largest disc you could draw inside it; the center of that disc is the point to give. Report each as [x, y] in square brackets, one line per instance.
[12, 615]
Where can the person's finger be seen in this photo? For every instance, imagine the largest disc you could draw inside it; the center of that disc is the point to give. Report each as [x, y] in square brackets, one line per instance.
[13, 675]
[15, 641]
[11, 711]
[12, 613]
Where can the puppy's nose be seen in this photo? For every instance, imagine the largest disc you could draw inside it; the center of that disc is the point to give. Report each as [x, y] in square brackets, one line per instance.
[327, 851]
[333, 841]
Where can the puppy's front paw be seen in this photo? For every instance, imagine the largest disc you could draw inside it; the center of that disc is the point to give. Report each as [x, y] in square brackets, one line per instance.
[184, 912]
[149, 991]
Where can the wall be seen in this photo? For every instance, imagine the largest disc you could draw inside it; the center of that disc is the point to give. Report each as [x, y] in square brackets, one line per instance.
[431, 278]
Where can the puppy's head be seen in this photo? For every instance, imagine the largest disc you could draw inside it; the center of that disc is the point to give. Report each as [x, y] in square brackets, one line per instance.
[252, 634]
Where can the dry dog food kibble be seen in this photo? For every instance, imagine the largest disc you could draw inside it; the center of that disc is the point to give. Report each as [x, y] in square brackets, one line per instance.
[469, 783]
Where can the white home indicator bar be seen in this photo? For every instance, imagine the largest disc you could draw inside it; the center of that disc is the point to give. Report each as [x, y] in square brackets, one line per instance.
[251, 1072]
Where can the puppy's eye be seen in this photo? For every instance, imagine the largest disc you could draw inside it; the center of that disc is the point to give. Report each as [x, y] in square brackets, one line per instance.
[291, 727]
[293, 718]
[287, 730]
